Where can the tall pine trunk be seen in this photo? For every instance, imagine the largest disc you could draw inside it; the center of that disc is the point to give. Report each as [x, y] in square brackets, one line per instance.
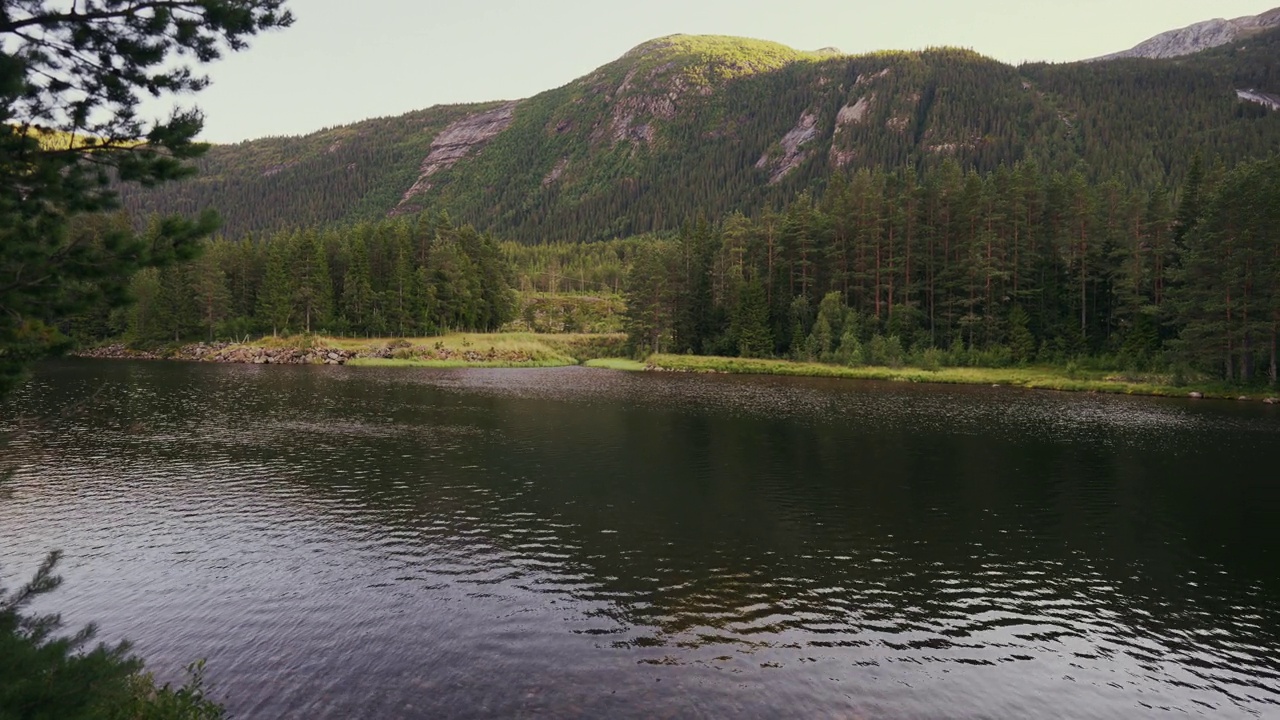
[1084, 294]
[1275, 330]
[1230, 363]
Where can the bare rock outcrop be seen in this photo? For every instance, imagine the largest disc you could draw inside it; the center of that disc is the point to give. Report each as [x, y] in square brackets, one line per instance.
[868, 78]
[556, 172]
[457, 141]
[633, 112]
[854, 114]
[792, 150]
[1201, 36]
[228, 353]
[1271, 102]
[842, 152]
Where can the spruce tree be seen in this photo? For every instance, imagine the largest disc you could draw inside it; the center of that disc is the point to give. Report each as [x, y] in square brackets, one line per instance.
[357, 295]
[275, 299]
[208, 286]
[750, 323]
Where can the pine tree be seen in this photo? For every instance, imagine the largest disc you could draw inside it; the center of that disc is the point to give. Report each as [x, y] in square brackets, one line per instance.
[313, 286]
[208, 286]
[145, 322]
[70, 85]
[750, 323]
[1022, 344]
[275, 300]
[357, 300]
[650, 300]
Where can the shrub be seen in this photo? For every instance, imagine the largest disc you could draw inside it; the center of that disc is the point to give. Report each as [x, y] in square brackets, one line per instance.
[1072, 370]
[49, 675]
[886, 351]
[850, 352]
[931, 359]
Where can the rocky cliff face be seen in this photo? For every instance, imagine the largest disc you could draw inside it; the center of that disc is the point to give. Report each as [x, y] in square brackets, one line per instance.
[790, 153]
[1199, 37]
[457, 141]
[1266, 100]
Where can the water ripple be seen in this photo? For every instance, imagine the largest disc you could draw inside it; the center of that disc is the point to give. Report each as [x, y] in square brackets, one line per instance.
[352, 542]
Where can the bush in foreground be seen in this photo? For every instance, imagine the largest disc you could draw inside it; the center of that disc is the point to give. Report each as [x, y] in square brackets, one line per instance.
[48, 675]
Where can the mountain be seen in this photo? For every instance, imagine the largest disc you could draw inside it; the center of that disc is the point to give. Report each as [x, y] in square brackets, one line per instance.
[1201, 36]
[689, 125]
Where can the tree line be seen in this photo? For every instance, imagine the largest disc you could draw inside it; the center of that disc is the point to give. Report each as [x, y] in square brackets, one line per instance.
[405, 277]
[952, 266]
[961, 267]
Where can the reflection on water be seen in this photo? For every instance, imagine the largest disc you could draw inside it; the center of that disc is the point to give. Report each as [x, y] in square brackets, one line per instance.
[347, 542]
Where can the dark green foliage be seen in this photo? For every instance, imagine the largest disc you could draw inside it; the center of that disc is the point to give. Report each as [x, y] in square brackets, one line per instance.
[1022, 344]
[1228, 298]
[685, 126]
[336, 176]
[750, 329]
[69, 683]
[70, 80]
[49, 675]
[572, 267]
[410, 276]
[651, 294]
[966, 268]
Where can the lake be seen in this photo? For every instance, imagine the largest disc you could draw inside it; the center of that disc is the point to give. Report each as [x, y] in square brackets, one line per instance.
[362, 542]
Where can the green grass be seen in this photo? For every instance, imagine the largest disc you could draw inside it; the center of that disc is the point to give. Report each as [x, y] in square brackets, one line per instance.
[616, 364]
[411, 363]
[1035, 378]
[532, 350]
[512, 349]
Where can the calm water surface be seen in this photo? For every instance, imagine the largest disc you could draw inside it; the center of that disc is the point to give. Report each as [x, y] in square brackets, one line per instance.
[356, 542]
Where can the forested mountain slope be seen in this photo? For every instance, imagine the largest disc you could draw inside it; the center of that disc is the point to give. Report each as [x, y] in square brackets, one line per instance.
[683, 126]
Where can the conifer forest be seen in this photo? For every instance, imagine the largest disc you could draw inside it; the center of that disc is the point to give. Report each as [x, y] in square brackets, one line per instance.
[948, 267]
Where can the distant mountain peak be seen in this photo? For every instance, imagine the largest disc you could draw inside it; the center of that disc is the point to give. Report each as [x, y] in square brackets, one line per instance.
[1200, 36]
[714, 57]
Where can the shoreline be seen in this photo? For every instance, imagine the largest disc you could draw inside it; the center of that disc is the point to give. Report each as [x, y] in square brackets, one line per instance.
[483, 350]
[531, 350]
[1029, 378]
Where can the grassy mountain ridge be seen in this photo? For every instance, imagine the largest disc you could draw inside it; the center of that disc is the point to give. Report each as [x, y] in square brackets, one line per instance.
[704, 124]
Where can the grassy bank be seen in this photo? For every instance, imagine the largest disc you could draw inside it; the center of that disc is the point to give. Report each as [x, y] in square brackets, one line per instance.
[459, 350]
[426, 363]
[514, 349]
[1036, 378]
[617, 364]
[605, 351]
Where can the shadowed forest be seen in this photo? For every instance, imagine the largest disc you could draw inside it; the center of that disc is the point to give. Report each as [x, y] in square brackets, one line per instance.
[952, 268]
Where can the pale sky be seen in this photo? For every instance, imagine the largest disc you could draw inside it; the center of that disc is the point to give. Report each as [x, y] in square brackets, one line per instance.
[347, 60]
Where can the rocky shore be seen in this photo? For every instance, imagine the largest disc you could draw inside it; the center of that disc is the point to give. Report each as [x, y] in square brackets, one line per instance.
[229, 353]
[319, 355]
